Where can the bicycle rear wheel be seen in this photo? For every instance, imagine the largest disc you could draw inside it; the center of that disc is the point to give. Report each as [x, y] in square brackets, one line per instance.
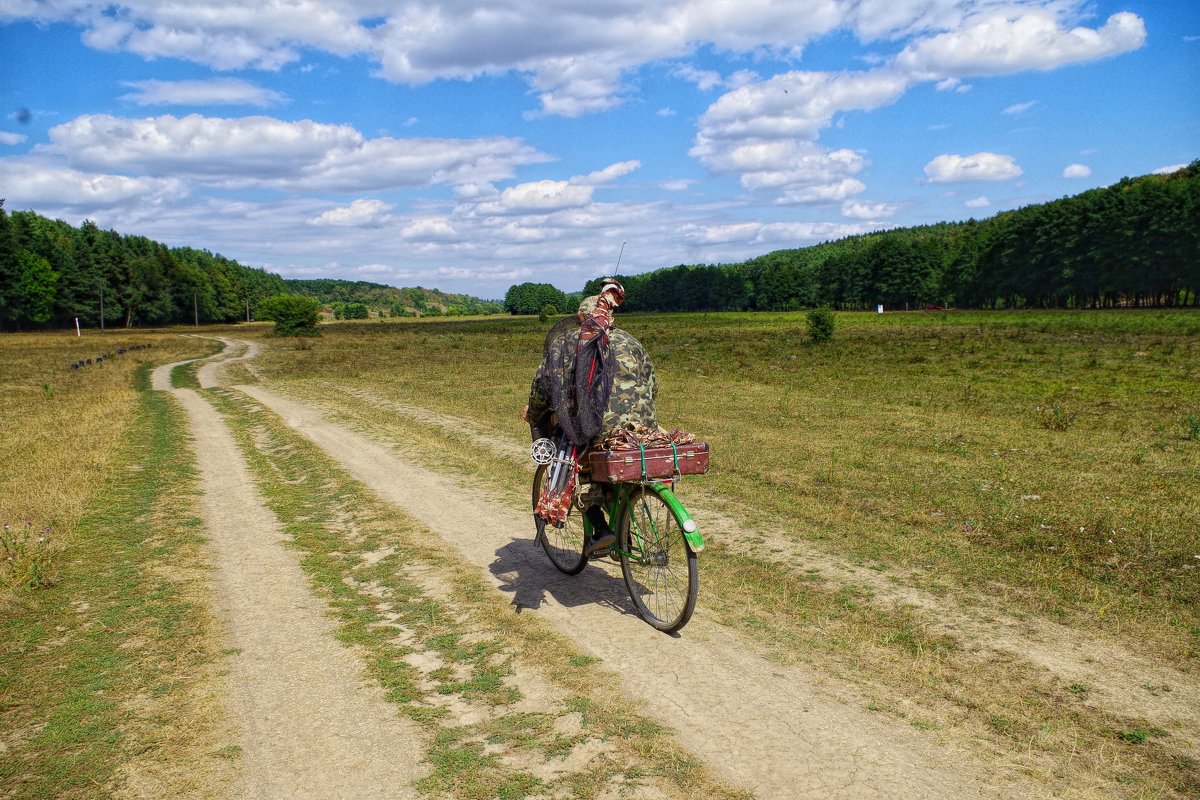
[564, 546]
[660, 570]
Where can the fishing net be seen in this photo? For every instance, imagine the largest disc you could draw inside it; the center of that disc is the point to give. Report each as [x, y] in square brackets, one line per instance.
[578, 367]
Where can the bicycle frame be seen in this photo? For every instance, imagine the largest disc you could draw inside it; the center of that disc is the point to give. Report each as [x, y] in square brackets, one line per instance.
[623, 495]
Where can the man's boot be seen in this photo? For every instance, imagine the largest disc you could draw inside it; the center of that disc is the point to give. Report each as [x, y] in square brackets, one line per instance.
[602, 536]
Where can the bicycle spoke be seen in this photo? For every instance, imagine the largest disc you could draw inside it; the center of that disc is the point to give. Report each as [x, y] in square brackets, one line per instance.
[564, 546]
[659, 570]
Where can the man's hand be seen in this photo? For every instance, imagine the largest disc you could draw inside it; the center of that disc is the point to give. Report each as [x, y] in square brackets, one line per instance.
[525, 413]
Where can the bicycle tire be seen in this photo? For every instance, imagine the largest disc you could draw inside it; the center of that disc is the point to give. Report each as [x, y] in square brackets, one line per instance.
[563, 546]
[660, 570]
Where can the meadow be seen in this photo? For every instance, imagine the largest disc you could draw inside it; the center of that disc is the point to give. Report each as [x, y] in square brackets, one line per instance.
[107, 649]
[987, 471]
[1053, 454]
[1035, 466]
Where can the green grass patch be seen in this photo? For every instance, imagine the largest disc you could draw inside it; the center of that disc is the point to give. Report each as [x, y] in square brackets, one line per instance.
[74, 656]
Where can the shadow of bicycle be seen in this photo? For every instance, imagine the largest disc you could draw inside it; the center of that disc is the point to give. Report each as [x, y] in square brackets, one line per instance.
[526, 573]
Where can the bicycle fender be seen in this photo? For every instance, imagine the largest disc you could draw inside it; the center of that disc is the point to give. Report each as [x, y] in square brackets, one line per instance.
[692, 537]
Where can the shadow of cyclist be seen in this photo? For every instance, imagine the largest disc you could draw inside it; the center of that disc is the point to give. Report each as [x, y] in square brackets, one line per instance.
[524, 571]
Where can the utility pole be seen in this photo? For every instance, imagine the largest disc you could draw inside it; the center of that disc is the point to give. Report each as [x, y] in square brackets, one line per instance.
[247, 309]
[195, 310]
[101, 309]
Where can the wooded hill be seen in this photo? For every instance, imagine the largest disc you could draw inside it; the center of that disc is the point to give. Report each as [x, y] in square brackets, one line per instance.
[1135, 243]
[51, 273]
[348, 296]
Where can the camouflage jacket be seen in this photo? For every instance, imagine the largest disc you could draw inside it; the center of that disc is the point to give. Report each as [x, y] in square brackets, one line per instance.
[634, 388]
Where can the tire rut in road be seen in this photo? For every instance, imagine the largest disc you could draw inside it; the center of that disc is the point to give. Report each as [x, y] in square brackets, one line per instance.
[310, 725]
[764, 727]
[1119, 681]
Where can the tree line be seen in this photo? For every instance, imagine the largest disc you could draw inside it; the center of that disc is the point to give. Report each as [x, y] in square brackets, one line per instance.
[1135, 243]
[535, 298]
[356, 299]
[52, 274]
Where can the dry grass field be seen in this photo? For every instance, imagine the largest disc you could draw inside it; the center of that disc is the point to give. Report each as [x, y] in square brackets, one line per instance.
[985, 521]
[981, 526]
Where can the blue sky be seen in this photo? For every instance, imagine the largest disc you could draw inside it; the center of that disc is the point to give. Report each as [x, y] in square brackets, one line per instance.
[470, 146]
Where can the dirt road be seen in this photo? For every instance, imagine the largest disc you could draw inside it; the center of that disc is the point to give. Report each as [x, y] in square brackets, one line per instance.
[774, 730]
[310, 725]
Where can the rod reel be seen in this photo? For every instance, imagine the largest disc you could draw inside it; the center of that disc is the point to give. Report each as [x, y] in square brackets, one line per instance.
[542, 451]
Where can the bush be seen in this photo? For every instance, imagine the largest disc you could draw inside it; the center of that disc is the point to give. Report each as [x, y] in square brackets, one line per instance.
[293, 314]
[820, 324]
[529, 298]
[547, 312]
[29, 556]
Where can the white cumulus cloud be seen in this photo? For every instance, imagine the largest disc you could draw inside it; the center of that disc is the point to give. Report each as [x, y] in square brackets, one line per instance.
[578, 56]
[805, 171]
[542, 196]
[359, 214]
[1077, 171]
[766, 133]
[952, 168]
[1169, 169]
[797, 104]
[35, 183]
[855, 209]
[222, 91]
[1007, 42]
[429, 229]
[978, 202]
[263, 151]
[10, 138]
[608, 174]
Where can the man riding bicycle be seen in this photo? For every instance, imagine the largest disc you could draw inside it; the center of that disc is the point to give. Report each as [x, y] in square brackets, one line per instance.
[593, 377]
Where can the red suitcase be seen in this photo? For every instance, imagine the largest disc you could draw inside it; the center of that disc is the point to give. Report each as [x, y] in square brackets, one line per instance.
[622, 466]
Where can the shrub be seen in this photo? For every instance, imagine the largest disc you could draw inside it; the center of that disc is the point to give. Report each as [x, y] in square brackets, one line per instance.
[527, 298]
[1055, 417]
[547, 312]
[293, 314]
[1191, 427]
[29, 556]
[1133, 736]
[820, 324]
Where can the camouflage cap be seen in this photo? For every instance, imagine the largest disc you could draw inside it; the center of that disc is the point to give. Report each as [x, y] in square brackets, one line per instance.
[613, 286]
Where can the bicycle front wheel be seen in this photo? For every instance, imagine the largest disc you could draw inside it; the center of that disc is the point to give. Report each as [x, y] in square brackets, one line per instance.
[564, 546]
[660, 569]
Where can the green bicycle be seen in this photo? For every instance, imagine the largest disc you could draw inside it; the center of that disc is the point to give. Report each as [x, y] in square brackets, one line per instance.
[657, 543]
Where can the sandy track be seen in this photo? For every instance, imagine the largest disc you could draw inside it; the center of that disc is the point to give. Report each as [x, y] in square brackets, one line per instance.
[1115, 675]
[209, 373]
[771, 729]
[311, 725]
